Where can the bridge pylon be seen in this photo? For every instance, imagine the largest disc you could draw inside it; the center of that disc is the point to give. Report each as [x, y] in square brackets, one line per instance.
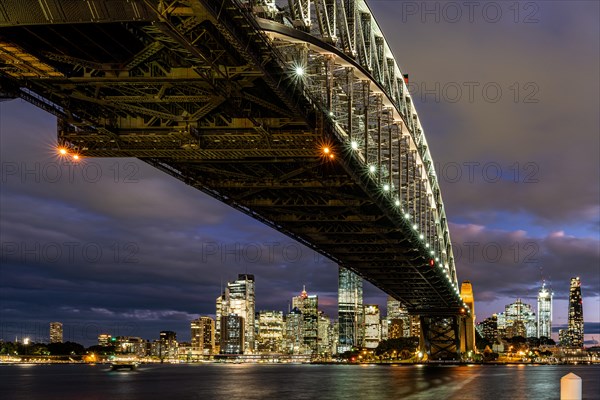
[467, 329]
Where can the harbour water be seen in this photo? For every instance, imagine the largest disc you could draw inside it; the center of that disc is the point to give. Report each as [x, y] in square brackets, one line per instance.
[288, 382]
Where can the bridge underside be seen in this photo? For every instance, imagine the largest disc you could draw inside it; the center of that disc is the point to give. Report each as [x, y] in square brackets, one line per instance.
[202, 92]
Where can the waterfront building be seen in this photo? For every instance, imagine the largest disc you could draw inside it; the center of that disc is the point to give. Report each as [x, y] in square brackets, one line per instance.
[219, 312]
[270, 331]
[241, 301]
[203, 336]
[104, 339]
[384, 328]
[575, 330]
[372, 326]
[309, 306]
[350, 310]
[167, 344]
[294, 332]
[544, 312]
[517, 311]
[488, 328]
[131, 345]
[325, 336]
[232, 334]
[56, 332]
[399, 322]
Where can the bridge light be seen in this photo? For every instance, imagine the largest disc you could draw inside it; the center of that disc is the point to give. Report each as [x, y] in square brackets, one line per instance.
[299, 71]
[431, 263]
[427, 245]
[397, 202]
[62, 151]
[432, 252]
[331, 156]
[415, 227]
[331, 113]
[372, 169]
[407, 216]
[75, 157]
[437, 260]
[421, 236]
[354, 145]
[326, 150]
[386, 187]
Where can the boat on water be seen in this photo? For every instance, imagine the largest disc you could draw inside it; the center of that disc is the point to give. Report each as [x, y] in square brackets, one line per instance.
[120, 365]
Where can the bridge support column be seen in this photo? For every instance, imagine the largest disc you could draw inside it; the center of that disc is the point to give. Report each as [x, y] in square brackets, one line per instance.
[440, 337]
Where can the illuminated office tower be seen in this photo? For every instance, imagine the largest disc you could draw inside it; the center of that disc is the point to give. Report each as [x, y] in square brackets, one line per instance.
[398, 320]
[350, 310]
[239, 300]
[56, 332]
[308, 305]
[203, 335]
[325, 335]
[488, 328]
[167, 344]
[270, 332]
[372, 326]
[221, 310]
[575, 332]
[518, 319]
[544, 312]
[232, 334]
[293, 340]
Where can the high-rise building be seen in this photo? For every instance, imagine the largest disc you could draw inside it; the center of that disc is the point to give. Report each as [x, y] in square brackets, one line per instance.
[372, 327]
[239, 298]
[294, 332]
[518, 319]
[575, 333]
[544, 312]
[350, 310]
[203, 335]
[232, 334]
[325, 336]
[399, 322]
[270, 331]
[309, 306]
[488, 328]
[219, 312]
[167, 344]
[56, 332]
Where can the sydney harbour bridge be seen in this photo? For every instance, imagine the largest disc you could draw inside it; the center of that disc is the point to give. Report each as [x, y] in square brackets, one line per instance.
[293, 112]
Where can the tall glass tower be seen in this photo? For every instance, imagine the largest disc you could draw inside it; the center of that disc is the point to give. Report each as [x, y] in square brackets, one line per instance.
[544, 312]
[240, 300]
[575, 333]
[350, 310]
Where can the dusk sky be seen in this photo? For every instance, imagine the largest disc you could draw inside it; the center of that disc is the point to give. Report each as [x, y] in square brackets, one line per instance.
[508, 95]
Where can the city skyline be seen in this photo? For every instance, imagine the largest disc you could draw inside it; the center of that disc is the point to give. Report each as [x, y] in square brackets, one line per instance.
[165, 246]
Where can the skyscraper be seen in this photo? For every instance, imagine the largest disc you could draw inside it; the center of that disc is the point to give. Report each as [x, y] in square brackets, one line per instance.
[203, 335]
[167, 344]
[575, 333]
[350, 310]
[372, 326]
[239, 300]
[293, 340]
[56, 332]
[518, 319]
[544, 312]
[309, 306]
[270, 331]
[232, 334]
[398, 320]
